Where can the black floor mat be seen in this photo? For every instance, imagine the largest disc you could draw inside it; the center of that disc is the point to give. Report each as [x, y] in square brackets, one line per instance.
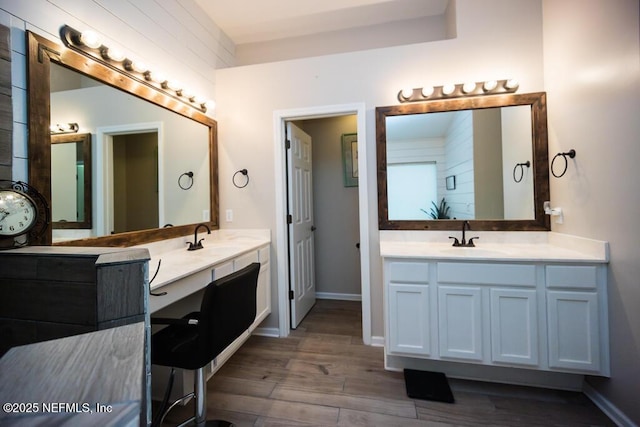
[427, 385]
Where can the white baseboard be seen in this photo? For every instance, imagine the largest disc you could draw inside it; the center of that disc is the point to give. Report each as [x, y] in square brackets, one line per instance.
[267, 332]
[343, 297]
[377, 341]
[605, 405]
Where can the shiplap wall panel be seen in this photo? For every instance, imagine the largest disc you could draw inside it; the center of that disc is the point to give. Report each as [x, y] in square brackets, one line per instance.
[173, 35]
[459, 154]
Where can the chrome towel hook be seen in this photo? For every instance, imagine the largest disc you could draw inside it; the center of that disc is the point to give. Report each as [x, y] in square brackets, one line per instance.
[571, 153]
[521, 166]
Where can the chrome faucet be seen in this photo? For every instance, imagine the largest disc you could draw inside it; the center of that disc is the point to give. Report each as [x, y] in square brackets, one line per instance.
[197, 244]
[464, 243]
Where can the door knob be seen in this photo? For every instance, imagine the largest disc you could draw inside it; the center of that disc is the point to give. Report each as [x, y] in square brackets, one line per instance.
[313, 228]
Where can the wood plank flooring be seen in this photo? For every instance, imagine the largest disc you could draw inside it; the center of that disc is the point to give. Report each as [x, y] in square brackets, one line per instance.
[322, 375]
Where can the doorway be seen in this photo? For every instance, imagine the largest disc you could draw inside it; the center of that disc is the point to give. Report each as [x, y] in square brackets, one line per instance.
[281, 117]
[135, 182]
[131, 152]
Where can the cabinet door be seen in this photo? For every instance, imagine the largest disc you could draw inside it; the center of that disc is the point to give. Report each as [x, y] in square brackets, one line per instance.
[514, 326]
[460, 322]
[263, 295]
[574, 336]
[408, 318]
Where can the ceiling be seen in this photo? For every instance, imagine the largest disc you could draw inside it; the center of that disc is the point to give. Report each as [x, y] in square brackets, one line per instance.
[252, 21]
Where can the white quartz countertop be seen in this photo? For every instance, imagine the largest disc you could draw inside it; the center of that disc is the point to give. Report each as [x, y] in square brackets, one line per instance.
[553, 248]
[177, 262]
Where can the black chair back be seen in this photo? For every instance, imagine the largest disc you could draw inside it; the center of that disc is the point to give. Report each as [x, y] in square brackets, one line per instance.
[228, 309]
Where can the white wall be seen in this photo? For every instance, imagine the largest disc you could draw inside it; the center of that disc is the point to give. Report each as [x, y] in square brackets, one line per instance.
[507, 32]
[174, 35]
[592, 77]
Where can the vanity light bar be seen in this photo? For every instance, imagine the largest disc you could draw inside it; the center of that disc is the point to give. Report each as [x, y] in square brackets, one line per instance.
[490, 87]
[59, 129]
[91, 44]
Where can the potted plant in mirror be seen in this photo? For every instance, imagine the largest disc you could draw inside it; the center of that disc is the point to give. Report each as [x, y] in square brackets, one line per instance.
[440, 211]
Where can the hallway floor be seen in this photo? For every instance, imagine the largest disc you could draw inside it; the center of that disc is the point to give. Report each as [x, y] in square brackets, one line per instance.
[323, 375]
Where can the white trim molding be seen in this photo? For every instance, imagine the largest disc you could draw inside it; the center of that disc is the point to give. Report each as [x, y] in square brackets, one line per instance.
[605, 405]
[279, 119]
[339, 297]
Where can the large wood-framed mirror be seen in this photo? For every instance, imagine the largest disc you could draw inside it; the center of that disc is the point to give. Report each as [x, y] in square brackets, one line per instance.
[483, 159]
[66, 86]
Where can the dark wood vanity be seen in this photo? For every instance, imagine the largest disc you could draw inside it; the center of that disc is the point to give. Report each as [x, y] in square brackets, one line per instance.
[54, 292]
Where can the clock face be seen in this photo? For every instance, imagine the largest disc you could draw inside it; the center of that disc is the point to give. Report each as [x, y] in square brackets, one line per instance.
[17, 213]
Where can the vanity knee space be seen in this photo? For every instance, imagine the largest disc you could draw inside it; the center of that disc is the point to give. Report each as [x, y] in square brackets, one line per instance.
[542, 316]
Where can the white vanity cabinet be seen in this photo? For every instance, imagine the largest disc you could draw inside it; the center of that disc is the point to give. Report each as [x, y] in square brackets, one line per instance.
[536, 315]
[409, 308]
[576, 310]
[183, 277]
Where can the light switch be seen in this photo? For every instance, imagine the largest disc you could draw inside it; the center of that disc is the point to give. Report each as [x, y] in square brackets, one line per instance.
[229, 215]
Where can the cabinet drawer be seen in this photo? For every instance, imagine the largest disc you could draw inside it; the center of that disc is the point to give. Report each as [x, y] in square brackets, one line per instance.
[574, 277]
[222, 270]
[244, 260]
[487, 274]
[408, 271]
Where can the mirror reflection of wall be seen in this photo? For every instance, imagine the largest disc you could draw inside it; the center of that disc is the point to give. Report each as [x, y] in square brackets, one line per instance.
[67, 182]
[478, 148]
[182, 145]
[71, 181]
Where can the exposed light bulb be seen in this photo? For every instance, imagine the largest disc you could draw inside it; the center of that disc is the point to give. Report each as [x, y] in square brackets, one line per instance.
[174, 85]
[157, 77]
[209, 104]
[448, 89]
[427, 91]
[406, 93]
[90, 39]
[511, 84]
[468, 87]
[187, 93]
[139, 66]
[114, 54]
[490, 85]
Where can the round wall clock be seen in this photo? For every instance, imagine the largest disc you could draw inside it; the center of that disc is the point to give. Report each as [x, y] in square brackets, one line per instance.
[24, 214]
[18, 213]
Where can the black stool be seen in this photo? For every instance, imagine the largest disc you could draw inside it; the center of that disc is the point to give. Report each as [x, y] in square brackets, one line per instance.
[228, 309]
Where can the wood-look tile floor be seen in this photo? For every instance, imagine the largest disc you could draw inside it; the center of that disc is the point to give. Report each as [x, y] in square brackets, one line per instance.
[323, 375]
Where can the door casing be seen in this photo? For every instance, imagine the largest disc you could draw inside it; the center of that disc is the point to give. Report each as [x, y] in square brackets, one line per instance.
[280, 117]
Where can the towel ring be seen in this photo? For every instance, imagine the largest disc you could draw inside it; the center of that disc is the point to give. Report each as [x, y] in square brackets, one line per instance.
[190, 182]
[521, 165]
[243, 172]
[571, 153]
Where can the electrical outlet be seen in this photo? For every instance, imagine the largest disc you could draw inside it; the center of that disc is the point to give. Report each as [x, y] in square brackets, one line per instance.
[229, 215]
[205, 215]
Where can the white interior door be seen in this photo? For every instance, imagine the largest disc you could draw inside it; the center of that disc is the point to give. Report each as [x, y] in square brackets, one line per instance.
[300, 201]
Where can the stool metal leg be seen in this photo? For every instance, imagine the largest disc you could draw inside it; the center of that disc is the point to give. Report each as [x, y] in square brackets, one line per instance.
[200, 387]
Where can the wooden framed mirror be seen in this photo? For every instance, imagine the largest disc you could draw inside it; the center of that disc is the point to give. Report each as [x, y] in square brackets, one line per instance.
[152, 111]
[71, 181]
[443, 161]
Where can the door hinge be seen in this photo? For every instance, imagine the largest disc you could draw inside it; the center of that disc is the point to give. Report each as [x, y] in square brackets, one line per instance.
[289, 219]
[290, 294]
[287, 143]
